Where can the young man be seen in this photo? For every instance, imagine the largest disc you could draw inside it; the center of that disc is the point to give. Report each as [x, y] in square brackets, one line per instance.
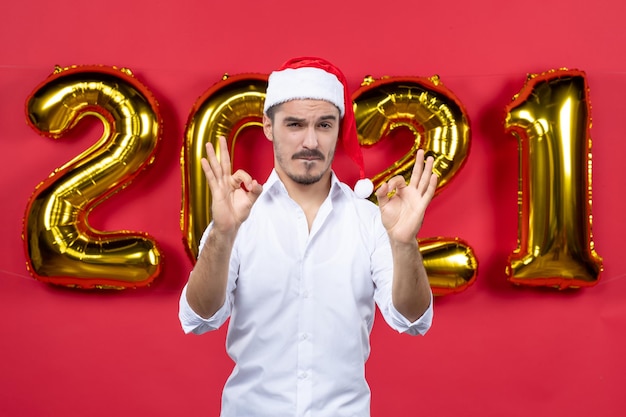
[299, 263]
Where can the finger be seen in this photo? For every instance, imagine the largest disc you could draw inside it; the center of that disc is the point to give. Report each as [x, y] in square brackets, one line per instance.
[416, 174]
[427, 174]
[395, 184]
[213, 163]
[382, 194]
[208, 172]
[241, 179]
[209, 165]
[224, 156]
[254, 190]
[432, 186]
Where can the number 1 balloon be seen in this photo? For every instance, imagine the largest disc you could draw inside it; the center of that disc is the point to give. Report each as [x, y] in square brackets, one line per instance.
[551, 119]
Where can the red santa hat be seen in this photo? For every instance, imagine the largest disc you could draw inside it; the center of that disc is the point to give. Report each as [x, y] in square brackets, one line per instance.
[315, 78]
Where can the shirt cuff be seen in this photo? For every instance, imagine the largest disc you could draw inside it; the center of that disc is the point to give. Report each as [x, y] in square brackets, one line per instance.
[419, 326]
[191, 322]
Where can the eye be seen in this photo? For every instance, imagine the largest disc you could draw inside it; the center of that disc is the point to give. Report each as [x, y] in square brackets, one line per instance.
[326, 125]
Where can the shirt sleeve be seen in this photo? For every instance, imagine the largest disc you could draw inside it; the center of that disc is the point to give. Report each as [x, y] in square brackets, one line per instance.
[419, 326]
[191, 322]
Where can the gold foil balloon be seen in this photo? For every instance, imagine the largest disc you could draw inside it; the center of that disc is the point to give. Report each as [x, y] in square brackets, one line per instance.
[439, 125]
[424, 106]
[61, 247]
[551, 119]
[226, 109]
[450, 262]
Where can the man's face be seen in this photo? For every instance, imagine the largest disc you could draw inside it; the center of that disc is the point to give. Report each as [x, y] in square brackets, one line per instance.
[304, 135]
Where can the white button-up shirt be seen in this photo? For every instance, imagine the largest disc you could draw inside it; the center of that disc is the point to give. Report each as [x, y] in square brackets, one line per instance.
[301, 306]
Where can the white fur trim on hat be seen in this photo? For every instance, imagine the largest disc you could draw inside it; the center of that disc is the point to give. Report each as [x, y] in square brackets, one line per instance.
[304, 83]
[364, 188]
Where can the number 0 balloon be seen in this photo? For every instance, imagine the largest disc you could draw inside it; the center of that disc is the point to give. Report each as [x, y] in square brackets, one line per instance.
[226, 109]
[61, 248]
[551, 119]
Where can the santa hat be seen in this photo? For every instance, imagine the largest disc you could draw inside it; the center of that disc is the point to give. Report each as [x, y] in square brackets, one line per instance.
[317, 79]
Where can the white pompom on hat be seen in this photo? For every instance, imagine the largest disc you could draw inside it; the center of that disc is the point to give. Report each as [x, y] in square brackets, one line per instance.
[317, 79]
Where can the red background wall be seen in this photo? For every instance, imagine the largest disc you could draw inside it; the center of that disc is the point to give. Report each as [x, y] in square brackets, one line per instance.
[494, 349]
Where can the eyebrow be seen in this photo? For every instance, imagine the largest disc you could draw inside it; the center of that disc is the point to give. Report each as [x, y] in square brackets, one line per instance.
[301, 120]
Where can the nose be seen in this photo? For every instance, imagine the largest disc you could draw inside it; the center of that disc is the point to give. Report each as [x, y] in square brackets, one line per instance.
[310, 138]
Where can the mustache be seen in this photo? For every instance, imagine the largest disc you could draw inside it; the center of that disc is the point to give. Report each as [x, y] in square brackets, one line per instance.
[308, 153]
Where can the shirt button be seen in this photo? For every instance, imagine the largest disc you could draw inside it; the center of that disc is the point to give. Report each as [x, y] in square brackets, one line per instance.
[303, 336]
[305, 294]
[303, 375]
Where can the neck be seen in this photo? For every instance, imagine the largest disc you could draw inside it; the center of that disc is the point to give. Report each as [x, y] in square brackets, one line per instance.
[310, 196]
[307, 194]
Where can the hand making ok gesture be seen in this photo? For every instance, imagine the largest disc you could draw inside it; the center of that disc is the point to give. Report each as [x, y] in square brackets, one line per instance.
[403, 205]
[232, 194]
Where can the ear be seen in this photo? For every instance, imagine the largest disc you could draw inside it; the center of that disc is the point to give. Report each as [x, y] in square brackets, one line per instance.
[267, 128]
